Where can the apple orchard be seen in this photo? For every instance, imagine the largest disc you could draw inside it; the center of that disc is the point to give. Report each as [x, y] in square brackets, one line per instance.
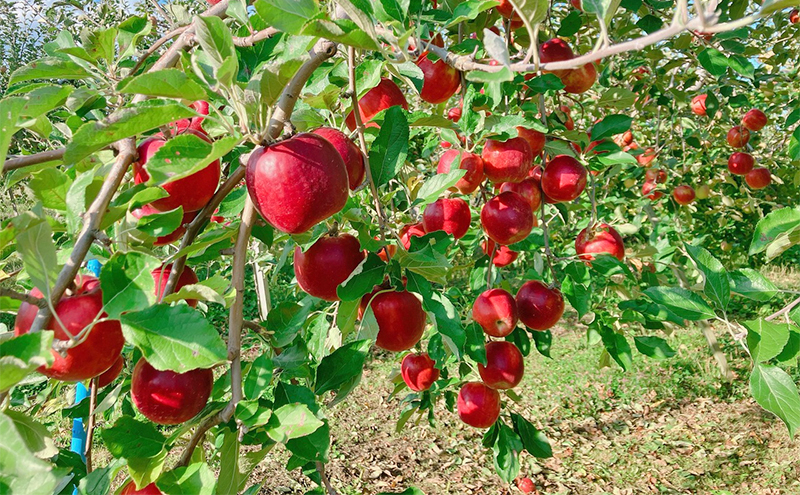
[438, 184]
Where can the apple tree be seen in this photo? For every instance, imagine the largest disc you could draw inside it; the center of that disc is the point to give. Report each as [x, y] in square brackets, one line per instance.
[434, 183]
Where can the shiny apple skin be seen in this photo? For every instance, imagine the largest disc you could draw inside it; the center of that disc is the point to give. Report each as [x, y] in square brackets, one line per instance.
[478, 405]
[758, 178]
[754, 120]
[385, 95]
[699, 105]
[538, 306]
[472, 163]
[167, 397]
[100, 348]
[738, 136]
[536, 140]
[419, 371]
[111, 373]
[449, 214]
[297, 183]
[555, 50]
[528, 189]
[495, 310]
[603, 238]
[151, 489]
[187, 277]
[683, 195]
[401, 319]
[350, 153]
[409, 231]
[192, 192]
[326, 264]
[740, 163]
[563, 179]
[507, 218]
[504, 366]
[507, 161]
[440, 81]
[503, 256]
[577, 81]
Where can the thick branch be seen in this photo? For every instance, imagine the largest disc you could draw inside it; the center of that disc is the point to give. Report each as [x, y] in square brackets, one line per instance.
[36, 301]
[35, 159]
[255, 37]
[91, 223]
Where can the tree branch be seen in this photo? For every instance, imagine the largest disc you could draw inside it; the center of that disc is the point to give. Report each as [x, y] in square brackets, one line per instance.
[22, 161]
[325, 481]
[255, 37]
[784, 310]
[90, 423]
[36, 301]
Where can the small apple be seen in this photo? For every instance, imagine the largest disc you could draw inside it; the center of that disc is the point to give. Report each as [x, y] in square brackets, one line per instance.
[703, 192]
[478, 405]
[401, 319]
[202, 107]
[298, 182]
[326, 264]
[649, 191]
[161, 276]
[507, 218]
[754, 120]
[409, 231]
[495, 310]
[646, 158]
[555, 50]
[577, 81]
[440, 81]
[503, 256]
[170, 398]
[564, 178]
[507, 161]
[738, 136]
[794, 16]
[419, 371]
[385, 95]
[683, 194]
[449, 214]
[350, 153]
[504, 366]
[601, 238]
[726, 246]
[528, 189]
[758, 178]
[151, 489]
[539, 307]
[657, 175]
[525, 485]
[472, 163]
[699, 105]
[740, 163]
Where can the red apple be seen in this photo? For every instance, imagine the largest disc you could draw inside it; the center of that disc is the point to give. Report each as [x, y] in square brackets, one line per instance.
[656, 175]
[195, 123]
[504, 366]
[449, 214]
[577, 5]
[525, 485]
[577, 81]
[507, 161]
[794, 16]
[151, 489]
[101, 347]
[528, 189]
[496, 312]
[176, 234]
[648, 190]
[386, 94]
[555, 50]
[503, 256]
[192, 192]
[754, 120]
[326, 264]
[738, 136]
[419, 371]
[440, 81]
[758, 178]
[699, 105]
[569, 123]
[535, 139]
[683, 194]
[454, 114]
[741, 163]
[111, 373]
[646, 158]
[350, 152]
[478, 405]
[297, 183]
[161, 276]
[506, 10]
[507, 218]
[470, 162]
[539, 307]
[409, 231]
[601, 238]
[401, 319]
[563, 179]
[170, 398]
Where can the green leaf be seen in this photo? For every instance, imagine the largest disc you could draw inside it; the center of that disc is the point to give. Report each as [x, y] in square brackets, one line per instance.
[717, 286]
[654, 347]
[35, 245]
[578, 295]
[427, 262]
[49, 68]
[346, 316]
[19, 356]
[292, 421]
[742, 65]
[712, 60]
[752, 285]
[395, 9]
[127, 283]
[168, 83]
[146, 470]
[184, 155]
[650, 23]
[176, 338]
[388, 152]
[37, 438]
[682, 302]
[340, 366]
[543, 341]
[435, 186]
[503, 75]
[10, 109]
[229, 456]
[766, 339]
[367, 275]
[610, 126]
[506, 449]
[161, 223]
[130, 121]
[20, 470]
[259, 376]
[288, 16]
[542, 84]
[194, 479]
[617, 346]
[342, 31]
[617, 97]
[533, 440]
[775, 391]
[215, 38]
[130, 31]
[50, 186]
[475, 346]
[45, 98]
[286, 319]
[130, 438]
[771, 226]
[469, 10]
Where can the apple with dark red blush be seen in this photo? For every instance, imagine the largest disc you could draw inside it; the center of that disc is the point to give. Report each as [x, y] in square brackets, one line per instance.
[451, 215]
[600, 238]
[577, 81]
[151, 489]
[478, 405]
[350, 153]
[754, 120]
[647, 157]
[419, 371]
[401, 319]
[698, 105]
[507, 161]
[555, 50]
[440, 81]
[111, 373]
[564, 178]
[161, 276]
[503, 256]
[326, 264]
[409, 231]
[649, 191]
[683, 194]
[536, 140]
[741, 163]
[738, 136]
[507, 218]
[758, 178]
[504, 366]
[539, 307]
[495, 310]
[385, 95]
[167, 397]
[528, 189]
[525, 485]
[472, 163]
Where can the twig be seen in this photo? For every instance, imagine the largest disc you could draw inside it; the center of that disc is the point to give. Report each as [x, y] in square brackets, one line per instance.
[255, 37]
[90, 424]
[716, 351]
[36, 301]
[92, 219]
[157, 45]
[784, 310]
[35, 159]
[325, 480]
